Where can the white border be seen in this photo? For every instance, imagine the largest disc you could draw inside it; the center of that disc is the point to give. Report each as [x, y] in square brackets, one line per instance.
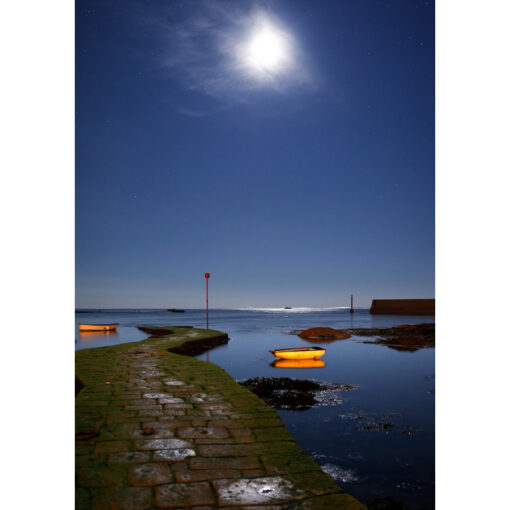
[472, 191]
[37, 211]
[37, 208]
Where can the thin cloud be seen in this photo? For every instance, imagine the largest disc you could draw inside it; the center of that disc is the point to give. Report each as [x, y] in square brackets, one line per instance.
[188, 112]
[205, 49]
[193, 112]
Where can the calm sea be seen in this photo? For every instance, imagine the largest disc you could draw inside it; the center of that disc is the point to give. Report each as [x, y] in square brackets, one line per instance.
[377, 442]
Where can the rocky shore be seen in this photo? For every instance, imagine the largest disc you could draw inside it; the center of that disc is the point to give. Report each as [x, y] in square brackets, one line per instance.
[407, 337]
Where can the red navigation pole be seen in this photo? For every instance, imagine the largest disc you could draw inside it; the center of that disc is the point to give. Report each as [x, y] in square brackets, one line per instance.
[207, 275]
[352, 309]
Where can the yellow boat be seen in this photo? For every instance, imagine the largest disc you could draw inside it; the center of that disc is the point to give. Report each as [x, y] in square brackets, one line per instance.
[97, 327]
[298, 363]
[299, 353]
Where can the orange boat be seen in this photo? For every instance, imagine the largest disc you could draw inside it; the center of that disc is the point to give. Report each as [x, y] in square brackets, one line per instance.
[299, 353]
[97, 327]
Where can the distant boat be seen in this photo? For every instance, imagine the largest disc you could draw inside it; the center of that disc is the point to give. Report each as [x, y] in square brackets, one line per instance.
[98, 327]
[175, 310]
[299, 353]
[288, 308]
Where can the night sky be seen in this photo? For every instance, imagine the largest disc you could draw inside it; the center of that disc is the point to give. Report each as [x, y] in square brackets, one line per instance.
[296, 172]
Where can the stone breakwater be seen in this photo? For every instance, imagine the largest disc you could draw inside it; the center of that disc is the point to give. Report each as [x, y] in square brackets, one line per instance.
[403, 307]
[156, 430]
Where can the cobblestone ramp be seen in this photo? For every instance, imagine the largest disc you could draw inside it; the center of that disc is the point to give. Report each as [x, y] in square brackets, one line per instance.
[159, 430]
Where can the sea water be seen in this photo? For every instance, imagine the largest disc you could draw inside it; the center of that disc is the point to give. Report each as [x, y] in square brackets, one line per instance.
[375, 441]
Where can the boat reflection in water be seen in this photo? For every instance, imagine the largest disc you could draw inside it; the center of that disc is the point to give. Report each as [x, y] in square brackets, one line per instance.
[298, 363]
[87, 337]
[97, 334]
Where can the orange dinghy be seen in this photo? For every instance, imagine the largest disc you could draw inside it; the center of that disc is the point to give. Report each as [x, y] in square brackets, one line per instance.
[97, 327]
[299, 353]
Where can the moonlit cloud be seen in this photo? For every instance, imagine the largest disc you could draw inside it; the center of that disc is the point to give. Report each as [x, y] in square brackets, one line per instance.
[232, 53]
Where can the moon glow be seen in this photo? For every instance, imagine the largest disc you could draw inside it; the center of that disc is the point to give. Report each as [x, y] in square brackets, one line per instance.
[266, 52]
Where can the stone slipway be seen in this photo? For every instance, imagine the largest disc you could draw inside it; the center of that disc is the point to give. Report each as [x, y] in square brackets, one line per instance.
[161, 430]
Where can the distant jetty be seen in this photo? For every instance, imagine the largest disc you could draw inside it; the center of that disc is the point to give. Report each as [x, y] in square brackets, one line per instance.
[403, 307]
[175, 310]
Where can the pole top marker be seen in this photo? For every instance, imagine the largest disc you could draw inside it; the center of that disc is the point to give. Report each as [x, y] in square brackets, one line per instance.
[207, 275]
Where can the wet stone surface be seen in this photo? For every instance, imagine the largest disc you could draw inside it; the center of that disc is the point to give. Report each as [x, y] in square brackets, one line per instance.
[160, 444]
[150, 474]
[156, 395]
[174, 383]
[128, 458]
[257, 490]
[203, 397]
[174, 455]
[170, 400]
[211, 432]
[206, 443]
[127, 498]
[184, 495]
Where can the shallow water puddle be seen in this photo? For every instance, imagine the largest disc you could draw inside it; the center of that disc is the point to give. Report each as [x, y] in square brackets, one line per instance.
[257, 490]
[174, 382]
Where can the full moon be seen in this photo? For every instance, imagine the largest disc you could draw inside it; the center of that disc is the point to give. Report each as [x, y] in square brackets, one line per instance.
[267, 51]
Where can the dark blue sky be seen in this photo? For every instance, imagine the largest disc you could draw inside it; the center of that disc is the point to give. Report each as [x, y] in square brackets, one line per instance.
[295, 189]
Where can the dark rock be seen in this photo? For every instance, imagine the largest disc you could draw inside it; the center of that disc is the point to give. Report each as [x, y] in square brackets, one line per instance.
[407, 337]
[323, 335]
[283, 392]
[287, 393]
[78, 385]
[156, 331]
[196, 347]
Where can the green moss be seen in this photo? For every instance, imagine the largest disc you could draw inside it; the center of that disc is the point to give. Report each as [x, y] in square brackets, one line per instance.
[178, 337]
[93, 365]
